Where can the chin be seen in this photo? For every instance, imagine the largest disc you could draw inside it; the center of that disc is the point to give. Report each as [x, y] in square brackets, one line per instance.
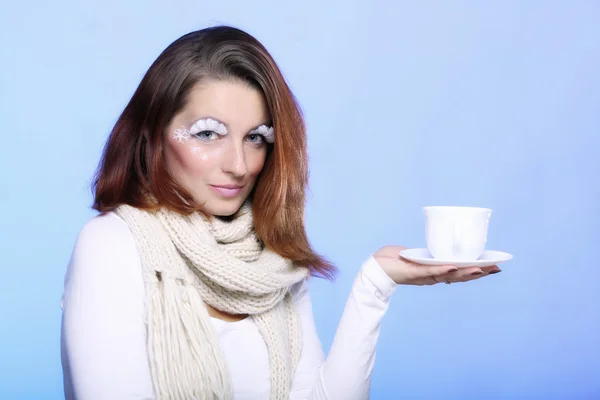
[223, 208]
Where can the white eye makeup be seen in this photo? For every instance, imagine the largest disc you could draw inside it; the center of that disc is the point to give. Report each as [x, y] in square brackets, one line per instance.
[208, 125]
[205, 125]
[266, 132]
[207, 129]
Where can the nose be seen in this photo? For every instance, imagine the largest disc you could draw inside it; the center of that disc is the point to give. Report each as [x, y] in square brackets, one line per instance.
[234, 162]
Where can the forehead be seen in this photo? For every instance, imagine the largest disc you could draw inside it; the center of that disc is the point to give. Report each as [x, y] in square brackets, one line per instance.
[236, 104]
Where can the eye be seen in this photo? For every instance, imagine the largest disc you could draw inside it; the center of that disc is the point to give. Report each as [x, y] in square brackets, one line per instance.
[256, 138]
[206, 135]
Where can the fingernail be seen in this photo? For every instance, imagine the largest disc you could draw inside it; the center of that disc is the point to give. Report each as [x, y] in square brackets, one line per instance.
[477, 273]
[494, 272]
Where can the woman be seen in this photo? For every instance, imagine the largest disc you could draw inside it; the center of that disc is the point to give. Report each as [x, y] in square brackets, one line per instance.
[192, 281]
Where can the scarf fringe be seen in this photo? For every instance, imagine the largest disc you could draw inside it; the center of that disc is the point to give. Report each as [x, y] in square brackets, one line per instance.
[183, 367]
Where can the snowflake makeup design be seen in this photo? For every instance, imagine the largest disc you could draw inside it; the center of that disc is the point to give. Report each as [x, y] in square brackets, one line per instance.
[181, 135]
[266, 131]
[196, 150]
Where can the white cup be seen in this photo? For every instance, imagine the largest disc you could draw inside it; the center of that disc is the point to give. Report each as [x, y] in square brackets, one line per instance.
[456, 233]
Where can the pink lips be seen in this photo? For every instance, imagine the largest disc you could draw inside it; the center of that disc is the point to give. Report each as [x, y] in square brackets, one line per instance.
[227, 190]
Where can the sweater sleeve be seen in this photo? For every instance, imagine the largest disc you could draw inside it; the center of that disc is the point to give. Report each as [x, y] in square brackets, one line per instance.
[103, 331]
[346, 373]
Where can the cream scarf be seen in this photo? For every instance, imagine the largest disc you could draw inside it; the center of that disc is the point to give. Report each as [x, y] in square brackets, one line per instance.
[189, 261]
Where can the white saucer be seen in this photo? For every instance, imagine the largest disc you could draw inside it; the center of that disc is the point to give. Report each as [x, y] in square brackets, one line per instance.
[488, 258]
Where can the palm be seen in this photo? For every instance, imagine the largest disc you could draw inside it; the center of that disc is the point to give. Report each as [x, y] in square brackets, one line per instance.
[406, 272]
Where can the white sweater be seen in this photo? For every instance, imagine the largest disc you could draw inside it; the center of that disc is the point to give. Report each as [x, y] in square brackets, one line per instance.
[104, 333]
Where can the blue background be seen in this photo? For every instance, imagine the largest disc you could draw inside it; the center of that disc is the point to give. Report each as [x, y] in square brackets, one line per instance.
[484, 103]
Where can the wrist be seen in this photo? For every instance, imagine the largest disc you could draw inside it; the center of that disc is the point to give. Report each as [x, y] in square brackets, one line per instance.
[373, 271]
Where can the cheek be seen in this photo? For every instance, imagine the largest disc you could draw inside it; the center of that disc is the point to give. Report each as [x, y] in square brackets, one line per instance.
[189, 158]
[256, 161]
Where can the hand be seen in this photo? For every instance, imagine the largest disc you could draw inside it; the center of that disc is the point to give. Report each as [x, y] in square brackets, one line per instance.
[405, 272]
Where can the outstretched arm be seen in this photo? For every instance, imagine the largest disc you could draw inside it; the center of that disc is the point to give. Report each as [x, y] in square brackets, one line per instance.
[346, 372]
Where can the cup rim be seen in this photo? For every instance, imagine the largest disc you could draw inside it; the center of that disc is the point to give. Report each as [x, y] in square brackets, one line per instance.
[456, 208]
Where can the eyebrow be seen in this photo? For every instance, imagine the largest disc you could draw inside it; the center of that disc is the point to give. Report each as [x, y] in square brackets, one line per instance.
[227, 125]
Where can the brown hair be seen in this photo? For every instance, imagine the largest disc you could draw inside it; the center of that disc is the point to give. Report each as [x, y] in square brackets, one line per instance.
[132, 165]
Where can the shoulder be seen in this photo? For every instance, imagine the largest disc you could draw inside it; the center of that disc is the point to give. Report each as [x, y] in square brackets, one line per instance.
[104, 245]
[108, 227]
[105, 235]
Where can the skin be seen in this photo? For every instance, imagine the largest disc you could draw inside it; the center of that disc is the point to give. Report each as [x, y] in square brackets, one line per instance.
[205, 161]
[202, 162]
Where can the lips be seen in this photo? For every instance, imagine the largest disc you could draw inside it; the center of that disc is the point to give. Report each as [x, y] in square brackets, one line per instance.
[227, 191]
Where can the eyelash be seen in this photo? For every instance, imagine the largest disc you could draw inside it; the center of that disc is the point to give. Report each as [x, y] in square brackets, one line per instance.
[202, 132]
[198, 135]
[262, 138]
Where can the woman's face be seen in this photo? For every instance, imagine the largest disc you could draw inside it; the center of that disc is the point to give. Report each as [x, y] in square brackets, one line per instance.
[213, 147]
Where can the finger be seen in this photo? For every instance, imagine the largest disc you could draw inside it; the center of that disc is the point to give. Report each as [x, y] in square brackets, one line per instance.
[494, 269]
[469, 274]
[421, 271]
[428, 281]
[463, 275]
[429, 275]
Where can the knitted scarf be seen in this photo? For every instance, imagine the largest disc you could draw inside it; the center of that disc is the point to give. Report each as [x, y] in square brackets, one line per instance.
[188, 262]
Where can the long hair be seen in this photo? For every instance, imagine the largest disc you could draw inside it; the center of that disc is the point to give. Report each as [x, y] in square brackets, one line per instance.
[132, 169]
